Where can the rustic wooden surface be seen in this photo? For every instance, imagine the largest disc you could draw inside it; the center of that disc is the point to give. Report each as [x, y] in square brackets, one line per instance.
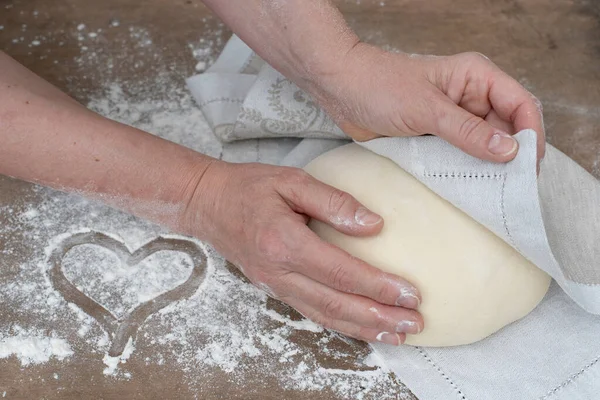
[551, 46]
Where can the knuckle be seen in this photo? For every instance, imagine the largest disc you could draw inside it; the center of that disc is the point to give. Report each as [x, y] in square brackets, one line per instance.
[337, 200]
[300, 176]
[382, 294]
[381, 323]
[271, 246]
[378, 320]
[385, 291]
[295, 176]
[468, 130]
[475, 57]
[339, 278]
[331, 308]
[296, 182]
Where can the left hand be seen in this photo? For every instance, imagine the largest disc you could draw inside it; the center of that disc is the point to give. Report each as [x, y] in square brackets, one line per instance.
[465, 99]
[255, 215]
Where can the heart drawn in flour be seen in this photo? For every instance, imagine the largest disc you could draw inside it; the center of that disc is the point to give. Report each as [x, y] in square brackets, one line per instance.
[122, 328]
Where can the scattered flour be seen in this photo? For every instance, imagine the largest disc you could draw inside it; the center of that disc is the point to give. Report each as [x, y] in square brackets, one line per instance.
[113, 362]
[33, 347]
[100, 274]
[227, 326]
[303, 325]
[200, 66]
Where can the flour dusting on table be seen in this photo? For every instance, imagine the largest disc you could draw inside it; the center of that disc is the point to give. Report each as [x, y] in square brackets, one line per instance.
[227, 326]
[34, 347]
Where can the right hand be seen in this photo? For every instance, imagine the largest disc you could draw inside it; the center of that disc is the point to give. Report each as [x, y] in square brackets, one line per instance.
[255, 215]
[465, 99]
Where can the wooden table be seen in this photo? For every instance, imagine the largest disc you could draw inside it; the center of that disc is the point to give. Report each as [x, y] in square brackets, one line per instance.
[550, 46]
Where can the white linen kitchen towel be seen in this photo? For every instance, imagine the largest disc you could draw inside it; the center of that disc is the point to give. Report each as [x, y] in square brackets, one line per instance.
[551, 354]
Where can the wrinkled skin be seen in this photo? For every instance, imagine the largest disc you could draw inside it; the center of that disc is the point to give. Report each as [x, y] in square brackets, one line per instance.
[256, 215]
[257, 219]
[465, 99]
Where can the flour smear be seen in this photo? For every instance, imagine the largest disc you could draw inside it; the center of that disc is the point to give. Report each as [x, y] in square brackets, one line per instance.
[227, 327]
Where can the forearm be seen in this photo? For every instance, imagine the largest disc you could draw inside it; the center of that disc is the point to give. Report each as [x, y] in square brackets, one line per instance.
[50, 139]
[305, 40]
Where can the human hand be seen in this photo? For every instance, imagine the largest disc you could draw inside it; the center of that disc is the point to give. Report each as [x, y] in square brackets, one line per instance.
[465, 99]
[255, 215]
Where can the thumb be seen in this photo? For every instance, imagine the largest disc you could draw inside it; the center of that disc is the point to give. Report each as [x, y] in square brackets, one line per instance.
[471, 133]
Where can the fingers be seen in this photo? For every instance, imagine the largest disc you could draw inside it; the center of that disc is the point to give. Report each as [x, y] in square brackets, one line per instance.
[334, 207]
[334, 289]
[471, 133]
[333, 267]
[369, 335]
[484, 90]
[290, 245]
[514, 103]
[354, 315]
[494, 119]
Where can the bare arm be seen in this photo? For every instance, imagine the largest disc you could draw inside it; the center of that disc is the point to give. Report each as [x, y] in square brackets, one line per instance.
[49, 138]
[256, 215]
[251, 213]
[305, 40]
[465, 99]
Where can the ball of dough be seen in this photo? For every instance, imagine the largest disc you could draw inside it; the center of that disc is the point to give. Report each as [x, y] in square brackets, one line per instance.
[472, 282]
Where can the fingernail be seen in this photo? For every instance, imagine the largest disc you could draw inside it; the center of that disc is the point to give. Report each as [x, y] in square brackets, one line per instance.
[502, 144]
[411, 327]
[389, 338]
[364, 217]
[408, 297]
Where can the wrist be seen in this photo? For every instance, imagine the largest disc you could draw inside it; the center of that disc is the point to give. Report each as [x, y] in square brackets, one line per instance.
[201, 190]
[319, 70]
[337, 90]
[356, 87]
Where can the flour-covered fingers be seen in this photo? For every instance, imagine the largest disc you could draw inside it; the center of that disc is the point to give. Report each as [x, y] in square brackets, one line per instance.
[368, 335]
[327, 204]
[335, 268]
[350, 329]
[358, 310]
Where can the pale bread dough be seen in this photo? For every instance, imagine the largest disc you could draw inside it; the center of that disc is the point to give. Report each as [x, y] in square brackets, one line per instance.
[472, 282]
